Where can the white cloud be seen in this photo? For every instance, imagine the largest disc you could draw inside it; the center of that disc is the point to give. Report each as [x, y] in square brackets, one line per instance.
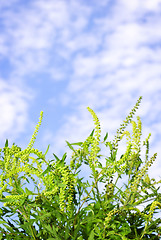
[83, 42]
[152, 5]
[135, 5]
[31, 32]
[14, 108]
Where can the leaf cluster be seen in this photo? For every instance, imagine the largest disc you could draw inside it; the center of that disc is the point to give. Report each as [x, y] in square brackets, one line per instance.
[47, 199]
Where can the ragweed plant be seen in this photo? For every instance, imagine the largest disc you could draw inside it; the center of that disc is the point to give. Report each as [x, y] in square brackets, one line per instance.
[65, 206]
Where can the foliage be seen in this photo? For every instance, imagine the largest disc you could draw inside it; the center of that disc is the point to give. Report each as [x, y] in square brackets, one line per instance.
[65, 206]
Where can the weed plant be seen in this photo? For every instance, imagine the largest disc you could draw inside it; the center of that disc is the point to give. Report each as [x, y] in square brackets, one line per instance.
[64, 206]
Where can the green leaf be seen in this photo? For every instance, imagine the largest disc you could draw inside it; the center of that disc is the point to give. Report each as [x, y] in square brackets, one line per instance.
[24, 178]
[29, 192]
[91, 236]
[92, 133]
[80, 238]
[70, 146]
[78, 144]
[99, 165]
[52, 230]
[6, 143]
[6, 200]
[1, 222]
[46, 171]
[47, 150]
[51, 238]
[61, 185]
[18, 187]
[56, 157]
[64, 156]
[106, 136]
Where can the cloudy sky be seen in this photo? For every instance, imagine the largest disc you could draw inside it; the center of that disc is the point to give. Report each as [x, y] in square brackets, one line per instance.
[62, 56]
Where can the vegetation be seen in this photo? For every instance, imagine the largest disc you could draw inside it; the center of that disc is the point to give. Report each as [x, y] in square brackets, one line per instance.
[62, 205]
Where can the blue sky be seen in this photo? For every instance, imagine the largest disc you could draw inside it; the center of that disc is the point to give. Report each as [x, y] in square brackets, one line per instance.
[62, 56]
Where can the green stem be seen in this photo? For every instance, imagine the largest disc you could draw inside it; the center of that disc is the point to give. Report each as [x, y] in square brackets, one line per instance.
[87, 196]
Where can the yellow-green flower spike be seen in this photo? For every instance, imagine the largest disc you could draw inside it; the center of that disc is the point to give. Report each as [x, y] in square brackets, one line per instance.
[31, 143]
[94, 141]
[125, 123]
